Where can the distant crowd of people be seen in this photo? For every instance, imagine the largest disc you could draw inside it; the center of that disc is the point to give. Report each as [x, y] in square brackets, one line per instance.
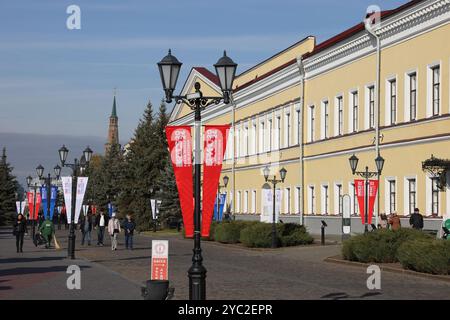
[101, 223]
[393, 221]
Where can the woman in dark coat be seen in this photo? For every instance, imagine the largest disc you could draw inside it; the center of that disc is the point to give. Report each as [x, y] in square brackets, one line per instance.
[19, 230]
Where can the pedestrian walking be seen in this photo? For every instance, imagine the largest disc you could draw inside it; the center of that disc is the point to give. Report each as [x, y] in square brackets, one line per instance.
[47, 230]
[101, 222]
[113, 230]
[416, 220]
[19, 230]
[394, 221]
[86, 228]
[383, 221]
[129, 227]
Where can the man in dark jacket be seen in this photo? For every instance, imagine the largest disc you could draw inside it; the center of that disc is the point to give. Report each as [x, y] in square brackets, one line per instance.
[416, 220]
[19, 230]
[129, 227]
[86, 228]
[101, 221]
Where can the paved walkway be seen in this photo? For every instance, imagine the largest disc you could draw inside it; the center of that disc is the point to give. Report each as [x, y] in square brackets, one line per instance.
[38, 273]
[234, 272]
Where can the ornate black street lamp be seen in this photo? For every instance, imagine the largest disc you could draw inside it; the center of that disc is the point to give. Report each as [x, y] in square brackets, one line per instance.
[274, 182]
[169, 69]
[379, 162]
[47, 182]
[225, 183]
[78, 168]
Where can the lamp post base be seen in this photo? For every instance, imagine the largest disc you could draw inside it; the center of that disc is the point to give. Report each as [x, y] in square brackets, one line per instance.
[197, 282]
[71, 246]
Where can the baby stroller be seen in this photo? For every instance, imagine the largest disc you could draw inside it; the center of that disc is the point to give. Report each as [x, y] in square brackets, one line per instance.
[39, 239]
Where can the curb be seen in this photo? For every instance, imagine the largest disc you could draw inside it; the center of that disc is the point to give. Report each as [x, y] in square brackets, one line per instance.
[389, 269]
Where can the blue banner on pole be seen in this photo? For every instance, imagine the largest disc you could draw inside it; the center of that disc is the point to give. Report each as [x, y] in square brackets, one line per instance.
[53, 196]
[44, 201]
[218, 216]
[110, 209]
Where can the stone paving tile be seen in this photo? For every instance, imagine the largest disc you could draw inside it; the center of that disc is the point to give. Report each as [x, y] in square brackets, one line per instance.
[235, 272]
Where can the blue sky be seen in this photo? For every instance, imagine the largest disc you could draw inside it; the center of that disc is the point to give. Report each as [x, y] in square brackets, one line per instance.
[60, 82]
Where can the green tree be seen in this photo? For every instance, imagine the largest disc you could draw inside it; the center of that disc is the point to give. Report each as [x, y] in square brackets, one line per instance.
[8, 188]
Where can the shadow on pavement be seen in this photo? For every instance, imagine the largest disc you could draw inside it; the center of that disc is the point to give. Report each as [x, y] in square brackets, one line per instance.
[343, 295]
[25, 260]
[21, 271]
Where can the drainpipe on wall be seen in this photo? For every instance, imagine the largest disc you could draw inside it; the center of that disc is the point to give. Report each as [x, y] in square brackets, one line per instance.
[233, 177]
[301, 144]
[370, 27]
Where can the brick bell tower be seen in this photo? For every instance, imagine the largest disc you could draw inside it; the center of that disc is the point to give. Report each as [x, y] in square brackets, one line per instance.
[113, 130]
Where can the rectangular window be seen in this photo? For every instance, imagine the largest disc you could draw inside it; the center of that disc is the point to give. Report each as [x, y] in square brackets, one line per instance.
[392, 197]
[339, 195]
[246, 140]
[412, 195]
[297, 200]
[238, 143]
[278, 132]
[435, 90]
[311, 123]
[371, 107]
[412, 96]
[393, 100]
[355, 110]
[262, 135]
[245, 201]
[325, 200]
[434, 196]
[340, 116]
[288, 129]
[270, 134]
[287, 204]
[312, 200]
[238, 202]
[326, 119]
[253, 201]
[298, 126]
[355, 200]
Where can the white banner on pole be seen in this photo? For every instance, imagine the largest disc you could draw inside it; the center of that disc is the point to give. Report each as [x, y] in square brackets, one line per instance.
[267, 205]
[157, 207]
[153, 203]
[81, 189]
[85, 209]
[20, 206]
[67, 190]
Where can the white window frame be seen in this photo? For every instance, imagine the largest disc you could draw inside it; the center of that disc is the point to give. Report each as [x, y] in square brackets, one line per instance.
[287, 200]
[351, 125]
[338, 130]
[353, 199]
[325, 119]
[245, 209]
[387, 194]
[238, 201]
[311, 123]
[253, 201]
[430, 67]
[406, 192]
[262, 140]
[254, 140]
[312, 199]
[297, 123]
[297, 199]
[337, 196]
[367, 100]
[407, 96]
[325, 199]
[287, 128]
[270, 134]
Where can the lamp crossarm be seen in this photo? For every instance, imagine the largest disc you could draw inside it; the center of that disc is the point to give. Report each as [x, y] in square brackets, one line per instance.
[366, 174]
[201, 101]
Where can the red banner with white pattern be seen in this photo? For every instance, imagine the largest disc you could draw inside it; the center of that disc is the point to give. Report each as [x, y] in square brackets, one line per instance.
[215, 140]
[373, 188]
[33, 212]
[360, 193]
[179, 140]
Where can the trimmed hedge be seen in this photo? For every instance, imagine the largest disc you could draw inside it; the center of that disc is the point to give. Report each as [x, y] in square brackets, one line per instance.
[430, 256]
[380, 245]
[230, 231]
[260, 235]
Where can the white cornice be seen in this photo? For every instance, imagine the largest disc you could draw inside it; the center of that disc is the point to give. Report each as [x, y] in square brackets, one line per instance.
[406, 24]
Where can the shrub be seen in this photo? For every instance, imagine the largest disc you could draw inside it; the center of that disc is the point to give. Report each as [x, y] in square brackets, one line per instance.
[297, 237]
[380, 245]
[229, 231]
[430, 256]
[259, 235]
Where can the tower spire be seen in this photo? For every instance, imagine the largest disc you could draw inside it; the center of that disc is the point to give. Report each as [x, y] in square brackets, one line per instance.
[114, 111]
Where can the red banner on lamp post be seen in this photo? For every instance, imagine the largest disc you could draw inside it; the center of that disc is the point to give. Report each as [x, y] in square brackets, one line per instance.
[360, 193]
[180, 147]
[33, 212]
[215, 140]
[373, 188]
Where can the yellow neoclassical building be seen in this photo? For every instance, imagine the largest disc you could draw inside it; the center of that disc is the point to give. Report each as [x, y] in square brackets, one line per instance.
[311, 106]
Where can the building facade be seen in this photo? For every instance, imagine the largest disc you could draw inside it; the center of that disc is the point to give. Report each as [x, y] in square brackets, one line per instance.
[311, 106]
